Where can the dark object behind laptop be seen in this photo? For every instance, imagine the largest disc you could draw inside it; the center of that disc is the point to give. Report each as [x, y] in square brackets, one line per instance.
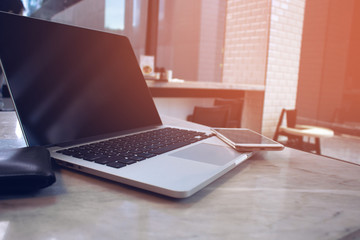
[11, 6]
[25, 169]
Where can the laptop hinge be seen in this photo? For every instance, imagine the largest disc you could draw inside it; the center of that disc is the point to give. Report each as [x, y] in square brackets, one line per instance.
[101, 137]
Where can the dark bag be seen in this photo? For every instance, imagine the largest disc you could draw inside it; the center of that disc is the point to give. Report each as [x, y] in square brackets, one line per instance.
[25, 169]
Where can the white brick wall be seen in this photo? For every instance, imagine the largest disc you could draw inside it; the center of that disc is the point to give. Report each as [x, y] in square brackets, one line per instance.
[246, 41]
[283, 60]
[212, 31]
[265, 51]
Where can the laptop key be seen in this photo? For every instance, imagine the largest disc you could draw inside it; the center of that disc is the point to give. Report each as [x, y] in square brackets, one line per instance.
[120, 159]
[127, 161]
[103, 160]
[92, 158]
[137, 158]
[146, 155]
[116, 164]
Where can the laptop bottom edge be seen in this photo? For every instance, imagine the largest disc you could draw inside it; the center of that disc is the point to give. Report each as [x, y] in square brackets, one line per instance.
[174, 193]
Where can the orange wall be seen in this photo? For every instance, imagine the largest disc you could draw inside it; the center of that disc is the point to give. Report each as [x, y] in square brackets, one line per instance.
[324, 58]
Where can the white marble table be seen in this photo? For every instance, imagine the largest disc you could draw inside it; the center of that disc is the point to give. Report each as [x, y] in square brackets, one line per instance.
[274, 195]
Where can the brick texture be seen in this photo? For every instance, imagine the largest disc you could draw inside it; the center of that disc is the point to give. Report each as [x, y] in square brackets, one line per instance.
[262, 46]
[283, 60]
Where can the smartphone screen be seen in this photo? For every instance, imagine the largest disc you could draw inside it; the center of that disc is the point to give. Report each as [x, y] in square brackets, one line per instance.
[244, 136]
[246, 139]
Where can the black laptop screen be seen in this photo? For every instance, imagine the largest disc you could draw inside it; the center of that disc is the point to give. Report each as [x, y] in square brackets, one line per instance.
[70, 83]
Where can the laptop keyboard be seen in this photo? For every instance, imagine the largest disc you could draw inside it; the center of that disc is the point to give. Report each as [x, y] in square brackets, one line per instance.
[123, 151]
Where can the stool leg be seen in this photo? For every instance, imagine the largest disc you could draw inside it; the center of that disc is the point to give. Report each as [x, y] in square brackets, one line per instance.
[317, 146]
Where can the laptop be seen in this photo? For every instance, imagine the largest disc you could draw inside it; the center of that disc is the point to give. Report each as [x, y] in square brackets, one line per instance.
[82, 95]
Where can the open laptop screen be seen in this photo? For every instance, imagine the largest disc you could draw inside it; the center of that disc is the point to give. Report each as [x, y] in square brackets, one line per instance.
[71, 83]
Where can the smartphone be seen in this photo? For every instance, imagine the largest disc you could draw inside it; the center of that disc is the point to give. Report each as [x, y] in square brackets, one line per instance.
[245, 140]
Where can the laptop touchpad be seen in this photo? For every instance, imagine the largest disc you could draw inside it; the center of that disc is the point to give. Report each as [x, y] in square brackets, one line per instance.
[208, 153]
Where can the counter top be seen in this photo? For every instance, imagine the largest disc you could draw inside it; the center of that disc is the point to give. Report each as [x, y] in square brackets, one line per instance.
[204, 85]
[200, 89]
[274, 195]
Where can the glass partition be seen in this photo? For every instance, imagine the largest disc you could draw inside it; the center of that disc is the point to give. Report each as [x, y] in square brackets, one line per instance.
[122, 17]
[184, 36]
